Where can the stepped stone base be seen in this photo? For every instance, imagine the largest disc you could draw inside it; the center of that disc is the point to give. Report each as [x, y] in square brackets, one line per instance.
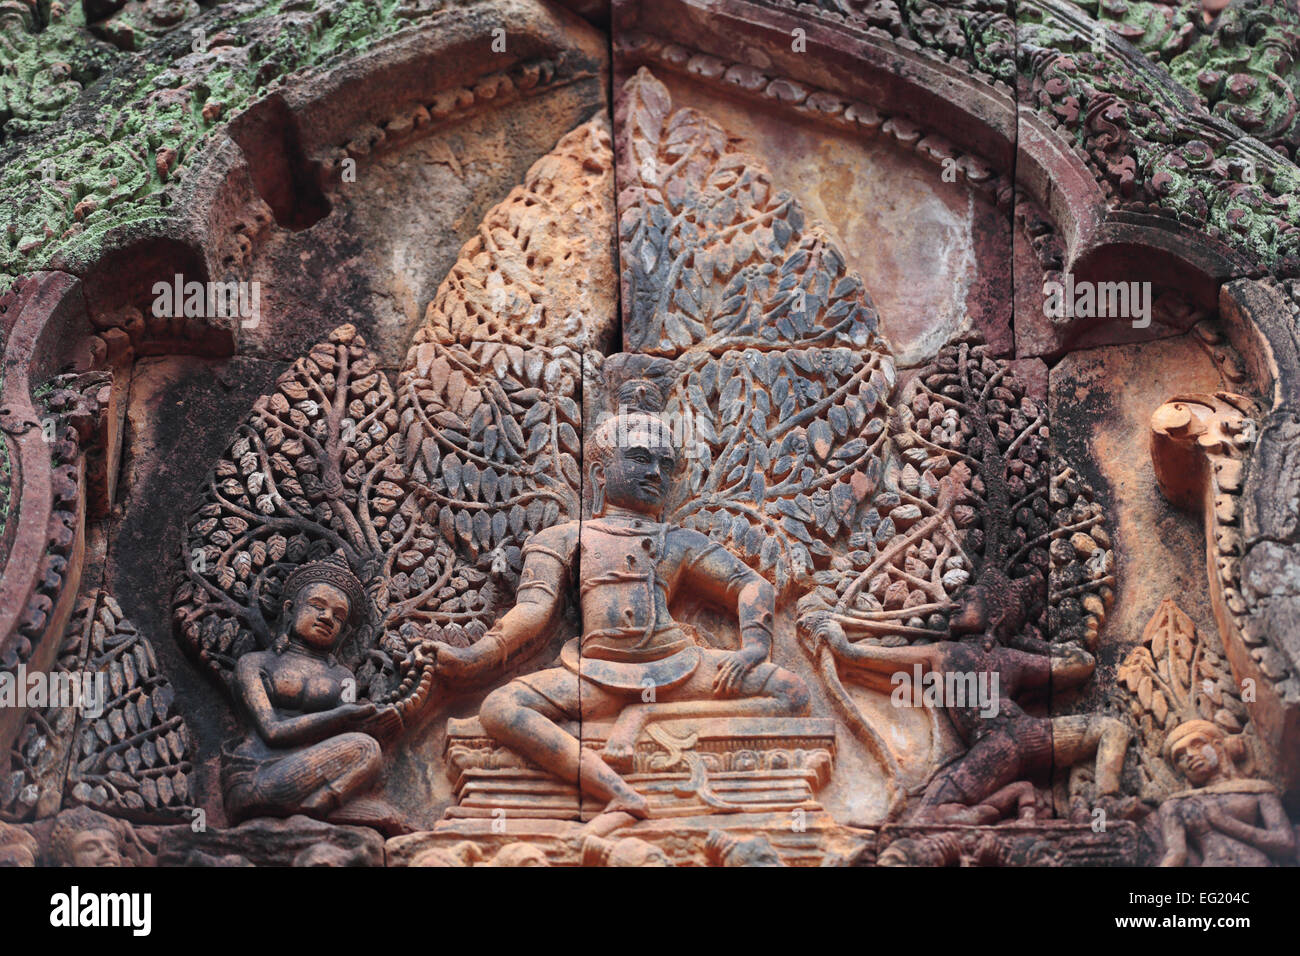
[683, 768]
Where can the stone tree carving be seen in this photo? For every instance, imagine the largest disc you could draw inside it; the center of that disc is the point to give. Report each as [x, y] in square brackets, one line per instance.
[539, 272]
[119, 745]
[424, 493]
[780, 382]
[972, 486]
[754, 406]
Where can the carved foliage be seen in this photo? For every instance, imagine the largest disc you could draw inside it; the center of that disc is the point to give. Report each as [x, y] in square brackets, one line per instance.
[1151, 142]
[712, 255]
[129, 755]
[429, 492]
[788, 453]
[491, 443]
[314, 469]
[1172, 677]
[970, 407]
[1081, 583]
[540, 270]
[1244, 69]
[966, 419]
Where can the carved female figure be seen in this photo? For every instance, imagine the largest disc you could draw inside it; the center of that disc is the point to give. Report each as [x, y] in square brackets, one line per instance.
[1230, 820]
[309, 748]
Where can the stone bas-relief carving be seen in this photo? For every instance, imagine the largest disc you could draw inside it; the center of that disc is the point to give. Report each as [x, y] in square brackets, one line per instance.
[308, 748]
[1223, 819]
[653, 550]
[632, 662]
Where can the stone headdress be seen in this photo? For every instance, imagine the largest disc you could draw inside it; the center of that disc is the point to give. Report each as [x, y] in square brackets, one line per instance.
[69, 823]
[335, 572]
[637, 383]
[1186, 729]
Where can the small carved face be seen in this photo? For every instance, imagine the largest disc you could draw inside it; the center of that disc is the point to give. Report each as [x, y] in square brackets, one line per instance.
[973, 616]
[638, 853]
[638, 471]
[520, 854]
[637, 477]
[95, 848]
[1198, 757]
[320, 612]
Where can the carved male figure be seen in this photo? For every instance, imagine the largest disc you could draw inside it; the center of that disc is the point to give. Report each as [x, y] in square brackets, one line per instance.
[632, 661]
[1228, 819]
[1005, 744]
[308, 749]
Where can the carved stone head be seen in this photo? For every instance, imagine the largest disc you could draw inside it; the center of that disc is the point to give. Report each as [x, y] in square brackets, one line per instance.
[633, 463]
[1201, 752]
[321, 600]
[520, 854]
[723, 849]
[627, 852]
[997, 607]
[85, 837]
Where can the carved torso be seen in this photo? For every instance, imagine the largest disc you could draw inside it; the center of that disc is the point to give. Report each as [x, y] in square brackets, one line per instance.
[628, 570]
[1011, 667]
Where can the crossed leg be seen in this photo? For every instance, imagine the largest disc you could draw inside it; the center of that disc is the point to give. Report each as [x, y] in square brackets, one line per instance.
[526, 717]
[766, 690]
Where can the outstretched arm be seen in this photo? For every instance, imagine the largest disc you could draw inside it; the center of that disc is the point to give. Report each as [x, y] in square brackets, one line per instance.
[522, 629]
[1057, 665]
[869, 657]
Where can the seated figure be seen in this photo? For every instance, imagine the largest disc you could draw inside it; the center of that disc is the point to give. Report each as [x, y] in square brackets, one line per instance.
[1228, 819]
[1005, 744]
[307, 749]
[633, 662]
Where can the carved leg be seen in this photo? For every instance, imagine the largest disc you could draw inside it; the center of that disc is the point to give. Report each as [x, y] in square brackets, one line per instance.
[765, 692]
[992, 763]
[527, 722]
[314, 780]
[1076, 738]
[346, 765]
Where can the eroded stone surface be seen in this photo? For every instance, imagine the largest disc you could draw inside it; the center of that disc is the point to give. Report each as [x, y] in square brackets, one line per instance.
[454, 581]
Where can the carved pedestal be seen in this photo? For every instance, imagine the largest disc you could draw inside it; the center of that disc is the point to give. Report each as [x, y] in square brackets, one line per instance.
[683, 767]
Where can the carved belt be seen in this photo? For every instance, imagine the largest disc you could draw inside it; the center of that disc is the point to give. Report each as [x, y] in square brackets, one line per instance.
[633, 677]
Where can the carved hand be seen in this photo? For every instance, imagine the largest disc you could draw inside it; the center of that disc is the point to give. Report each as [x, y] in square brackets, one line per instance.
[732, 671]
[1196, 817]
[457, 664]
[384, 723]
[354, 713]
[824, 628]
